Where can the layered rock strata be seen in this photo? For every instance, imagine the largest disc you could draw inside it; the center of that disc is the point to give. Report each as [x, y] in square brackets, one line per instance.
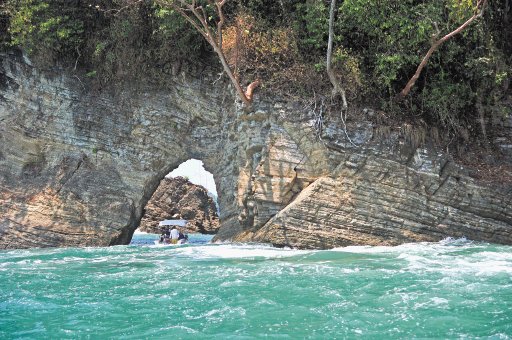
[177, 198]
[78, 166]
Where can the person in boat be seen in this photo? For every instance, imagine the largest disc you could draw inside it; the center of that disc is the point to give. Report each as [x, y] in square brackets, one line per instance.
[162, 235]
[182, 238]
[174, 235]
[166, 234]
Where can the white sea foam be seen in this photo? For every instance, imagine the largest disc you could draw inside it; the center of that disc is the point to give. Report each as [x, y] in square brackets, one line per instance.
[449, 264]
[180, 327]
[434, 302]
[233, 251]
[418, 248]
[450, 256]
[439, 301]
[483, 267]
[140, 232]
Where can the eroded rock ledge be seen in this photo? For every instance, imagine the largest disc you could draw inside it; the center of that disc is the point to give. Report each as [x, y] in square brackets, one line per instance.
[77, 167]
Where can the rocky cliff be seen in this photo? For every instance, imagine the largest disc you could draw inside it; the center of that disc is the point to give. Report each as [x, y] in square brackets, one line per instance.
[78, 166]
[177, 198]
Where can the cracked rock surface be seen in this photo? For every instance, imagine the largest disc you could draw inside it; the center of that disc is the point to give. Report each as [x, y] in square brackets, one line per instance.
[78, 166]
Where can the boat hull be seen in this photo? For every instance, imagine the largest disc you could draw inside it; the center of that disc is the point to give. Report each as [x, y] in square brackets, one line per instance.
[163, 244]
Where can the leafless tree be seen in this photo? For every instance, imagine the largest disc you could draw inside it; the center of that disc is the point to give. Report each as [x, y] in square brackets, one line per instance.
[211, 29]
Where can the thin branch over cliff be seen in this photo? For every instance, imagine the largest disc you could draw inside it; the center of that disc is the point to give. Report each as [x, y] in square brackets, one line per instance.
[479, 10]
[199, 17]
[337, 88]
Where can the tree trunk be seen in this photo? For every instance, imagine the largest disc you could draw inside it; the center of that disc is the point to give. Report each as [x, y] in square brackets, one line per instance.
[478, 13]
[197, 17]
[337, 89]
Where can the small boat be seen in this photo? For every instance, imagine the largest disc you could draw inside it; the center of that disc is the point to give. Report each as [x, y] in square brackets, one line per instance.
[163, 244]
[166, 241]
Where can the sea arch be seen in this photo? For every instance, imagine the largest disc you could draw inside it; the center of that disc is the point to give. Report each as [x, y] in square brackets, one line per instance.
[188, 192]
[78, 164]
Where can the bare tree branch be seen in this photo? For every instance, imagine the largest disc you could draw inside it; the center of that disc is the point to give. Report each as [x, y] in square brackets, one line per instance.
[479, 10]
[332, 77]
[221, 21]
[196, 15]
[337, 88]
[117, 11]
[250, 89]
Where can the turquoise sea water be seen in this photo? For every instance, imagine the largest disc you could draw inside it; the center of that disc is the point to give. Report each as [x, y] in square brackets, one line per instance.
[450, 289]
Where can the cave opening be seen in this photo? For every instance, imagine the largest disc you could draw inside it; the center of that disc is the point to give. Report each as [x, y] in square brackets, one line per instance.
[187, 193]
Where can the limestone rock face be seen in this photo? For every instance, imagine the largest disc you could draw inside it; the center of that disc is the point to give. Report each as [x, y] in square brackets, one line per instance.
[177, 198]
[78, 167]
[371, 194]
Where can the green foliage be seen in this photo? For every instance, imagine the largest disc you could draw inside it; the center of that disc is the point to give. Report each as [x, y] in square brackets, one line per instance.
[4, 26]
[460, 10]
[143, 40]
[44, 27]
[348, 68]
[91, 74]
[444, 99]
[175, 35]
[390, 37]
[312, 26]
[267, 12]
[108, 39]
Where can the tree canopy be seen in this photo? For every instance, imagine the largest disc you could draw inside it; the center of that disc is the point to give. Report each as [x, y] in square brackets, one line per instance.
[377, 47]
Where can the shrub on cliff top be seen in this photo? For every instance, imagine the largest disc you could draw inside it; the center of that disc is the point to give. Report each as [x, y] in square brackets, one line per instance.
[390, 37]
[46, 29]
[111, 39]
